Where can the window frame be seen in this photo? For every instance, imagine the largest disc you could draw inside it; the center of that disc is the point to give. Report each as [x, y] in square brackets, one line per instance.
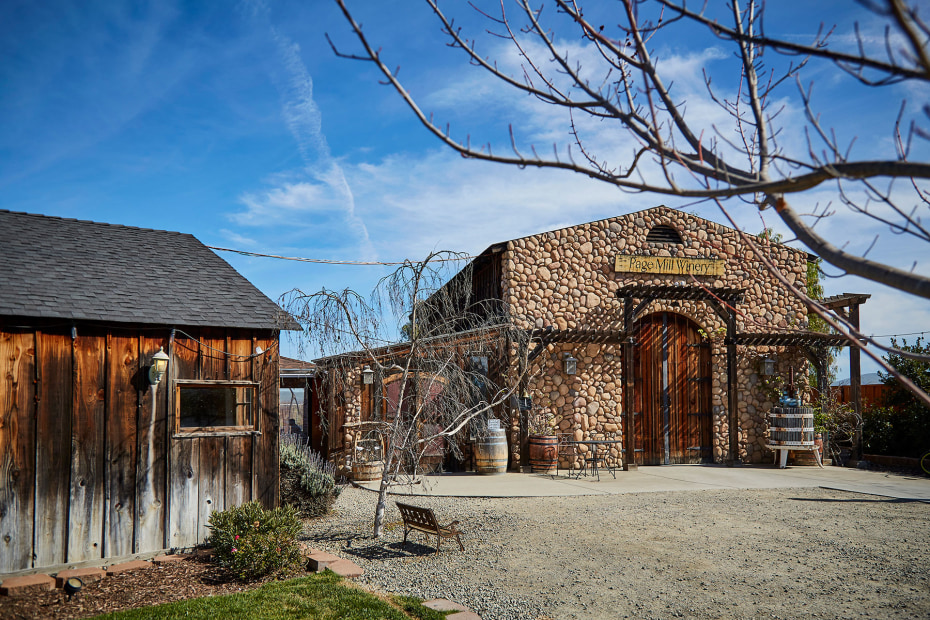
[208, 431]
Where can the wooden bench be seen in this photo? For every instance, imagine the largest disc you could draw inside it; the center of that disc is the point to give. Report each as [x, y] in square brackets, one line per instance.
[423, 519]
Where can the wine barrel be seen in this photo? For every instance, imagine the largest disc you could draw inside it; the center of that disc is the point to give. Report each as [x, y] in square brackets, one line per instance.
[491, 453]
[544, 453]
[366, 472]
[791, 426]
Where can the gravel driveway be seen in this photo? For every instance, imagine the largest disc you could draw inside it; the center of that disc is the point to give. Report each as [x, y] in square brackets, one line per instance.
[774, 553]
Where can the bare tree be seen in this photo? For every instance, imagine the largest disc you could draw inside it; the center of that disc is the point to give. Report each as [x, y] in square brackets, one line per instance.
[669, 152]
[450, 373]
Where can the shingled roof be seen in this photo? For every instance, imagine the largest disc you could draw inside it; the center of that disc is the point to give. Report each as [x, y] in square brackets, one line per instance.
[53, 267]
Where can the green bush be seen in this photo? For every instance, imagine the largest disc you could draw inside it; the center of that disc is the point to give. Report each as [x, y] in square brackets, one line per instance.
[896, 432]
[901, 426]
[253, 542]
[308, 481]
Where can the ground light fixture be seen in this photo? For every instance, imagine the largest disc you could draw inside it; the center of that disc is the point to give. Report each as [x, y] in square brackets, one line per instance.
[368, 375]
[571, 364]
[159, 367]
[72, 586]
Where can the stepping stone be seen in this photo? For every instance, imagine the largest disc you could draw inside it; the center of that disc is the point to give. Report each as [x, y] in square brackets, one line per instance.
[17, 586]
[306, 549]
[346, 568]
[464, 615]
[444, 604]
[87, 575]
[125, 566]
[321, 560]
[169, 559]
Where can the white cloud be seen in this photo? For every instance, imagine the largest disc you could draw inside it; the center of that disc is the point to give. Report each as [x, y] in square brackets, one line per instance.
[238, 241]
[441, 201]
[322, 189]
[286, 202]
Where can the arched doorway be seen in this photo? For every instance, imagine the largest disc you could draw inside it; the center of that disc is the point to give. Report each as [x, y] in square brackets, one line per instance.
[672, 391]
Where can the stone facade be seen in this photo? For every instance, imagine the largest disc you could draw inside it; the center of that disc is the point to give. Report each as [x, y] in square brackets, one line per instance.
[566, 279]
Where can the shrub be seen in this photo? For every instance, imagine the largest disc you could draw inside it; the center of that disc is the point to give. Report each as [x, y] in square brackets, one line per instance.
[901, 426]
[840, 423]
[308, 481]
[253, 542]
[896, 432]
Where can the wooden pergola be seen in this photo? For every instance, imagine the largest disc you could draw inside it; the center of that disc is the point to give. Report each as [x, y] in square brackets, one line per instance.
[724, 302]
[847, 306]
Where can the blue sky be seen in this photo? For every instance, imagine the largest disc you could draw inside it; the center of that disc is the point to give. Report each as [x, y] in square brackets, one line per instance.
[235, 122]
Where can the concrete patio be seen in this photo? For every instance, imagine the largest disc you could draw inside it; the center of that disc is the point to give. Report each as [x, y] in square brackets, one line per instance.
[671, 478]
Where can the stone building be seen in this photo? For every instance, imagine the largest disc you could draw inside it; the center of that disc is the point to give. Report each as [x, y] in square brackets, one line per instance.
[676, 310]
[685, 276]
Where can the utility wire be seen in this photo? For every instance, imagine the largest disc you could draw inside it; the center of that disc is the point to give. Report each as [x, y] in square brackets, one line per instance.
[325, 261]
[895, 335]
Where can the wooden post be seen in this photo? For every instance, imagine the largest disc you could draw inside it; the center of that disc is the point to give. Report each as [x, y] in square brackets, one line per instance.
[732, 400]
[521, 390]
[629, 424]
[824, 390]
[855, 381]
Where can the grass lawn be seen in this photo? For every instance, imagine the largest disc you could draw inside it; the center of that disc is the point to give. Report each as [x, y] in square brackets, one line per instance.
[323, 595]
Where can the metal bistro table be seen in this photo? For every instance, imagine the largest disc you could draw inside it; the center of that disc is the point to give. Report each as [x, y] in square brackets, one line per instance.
[591, 456]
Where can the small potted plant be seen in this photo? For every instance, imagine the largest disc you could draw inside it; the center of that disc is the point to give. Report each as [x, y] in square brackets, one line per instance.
[544, 444]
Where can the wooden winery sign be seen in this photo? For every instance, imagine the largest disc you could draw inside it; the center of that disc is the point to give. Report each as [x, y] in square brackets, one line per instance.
[629, 263]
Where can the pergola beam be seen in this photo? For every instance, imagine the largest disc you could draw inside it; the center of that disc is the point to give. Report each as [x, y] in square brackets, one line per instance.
[723, 301]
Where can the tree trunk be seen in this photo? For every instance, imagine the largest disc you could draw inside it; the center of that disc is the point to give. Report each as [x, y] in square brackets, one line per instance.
[388, 476]
[382, 501]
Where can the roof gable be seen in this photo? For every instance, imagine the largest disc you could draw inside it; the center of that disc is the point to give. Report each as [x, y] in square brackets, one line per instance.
[627, 217]
[54, 267]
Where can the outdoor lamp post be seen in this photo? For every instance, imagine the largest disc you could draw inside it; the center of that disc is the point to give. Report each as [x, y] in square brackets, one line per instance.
[159, 366]
[768, 367]
[571, 364]
[368, 375]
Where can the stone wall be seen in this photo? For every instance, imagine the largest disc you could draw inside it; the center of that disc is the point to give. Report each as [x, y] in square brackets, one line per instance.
[588, 404]
[566, 279]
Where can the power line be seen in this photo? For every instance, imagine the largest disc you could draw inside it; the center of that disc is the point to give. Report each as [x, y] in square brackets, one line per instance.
[910, 334]
[324, 261]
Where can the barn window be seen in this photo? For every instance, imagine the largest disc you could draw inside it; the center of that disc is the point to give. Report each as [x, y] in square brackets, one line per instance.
[663, 234]
[215, 406]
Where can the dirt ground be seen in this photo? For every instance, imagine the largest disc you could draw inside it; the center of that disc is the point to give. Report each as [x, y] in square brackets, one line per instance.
[785, 553]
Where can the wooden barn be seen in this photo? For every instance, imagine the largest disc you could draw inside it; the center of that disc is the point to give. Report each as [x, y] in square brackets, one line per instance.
[99, 456]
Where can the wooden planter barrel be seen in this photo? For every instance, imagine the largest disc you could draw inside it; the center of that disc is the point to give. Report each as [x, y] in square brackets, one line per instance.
[366, 472]
[544, 453]
[491, 453]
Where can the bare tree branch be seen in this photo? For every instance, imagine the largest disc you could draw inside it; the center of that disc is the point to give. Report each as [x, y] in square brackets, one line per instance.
[674, 154]
[436, 389]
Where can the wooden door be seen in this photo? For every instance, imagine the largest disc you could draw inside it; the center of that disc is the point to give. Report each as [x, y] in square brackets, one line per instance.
[672, 391]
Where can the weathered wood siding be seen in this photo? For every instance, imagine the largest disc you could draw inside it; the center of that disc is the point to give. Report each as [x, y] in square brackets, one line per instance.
[17, 445]
[90, 466]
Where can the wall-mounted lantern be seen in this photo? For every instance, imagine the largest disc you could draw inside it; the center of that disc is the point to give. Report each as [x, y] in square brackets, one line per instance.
[571, 364]
[368, 375]
[159, 366]
[768, 367]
